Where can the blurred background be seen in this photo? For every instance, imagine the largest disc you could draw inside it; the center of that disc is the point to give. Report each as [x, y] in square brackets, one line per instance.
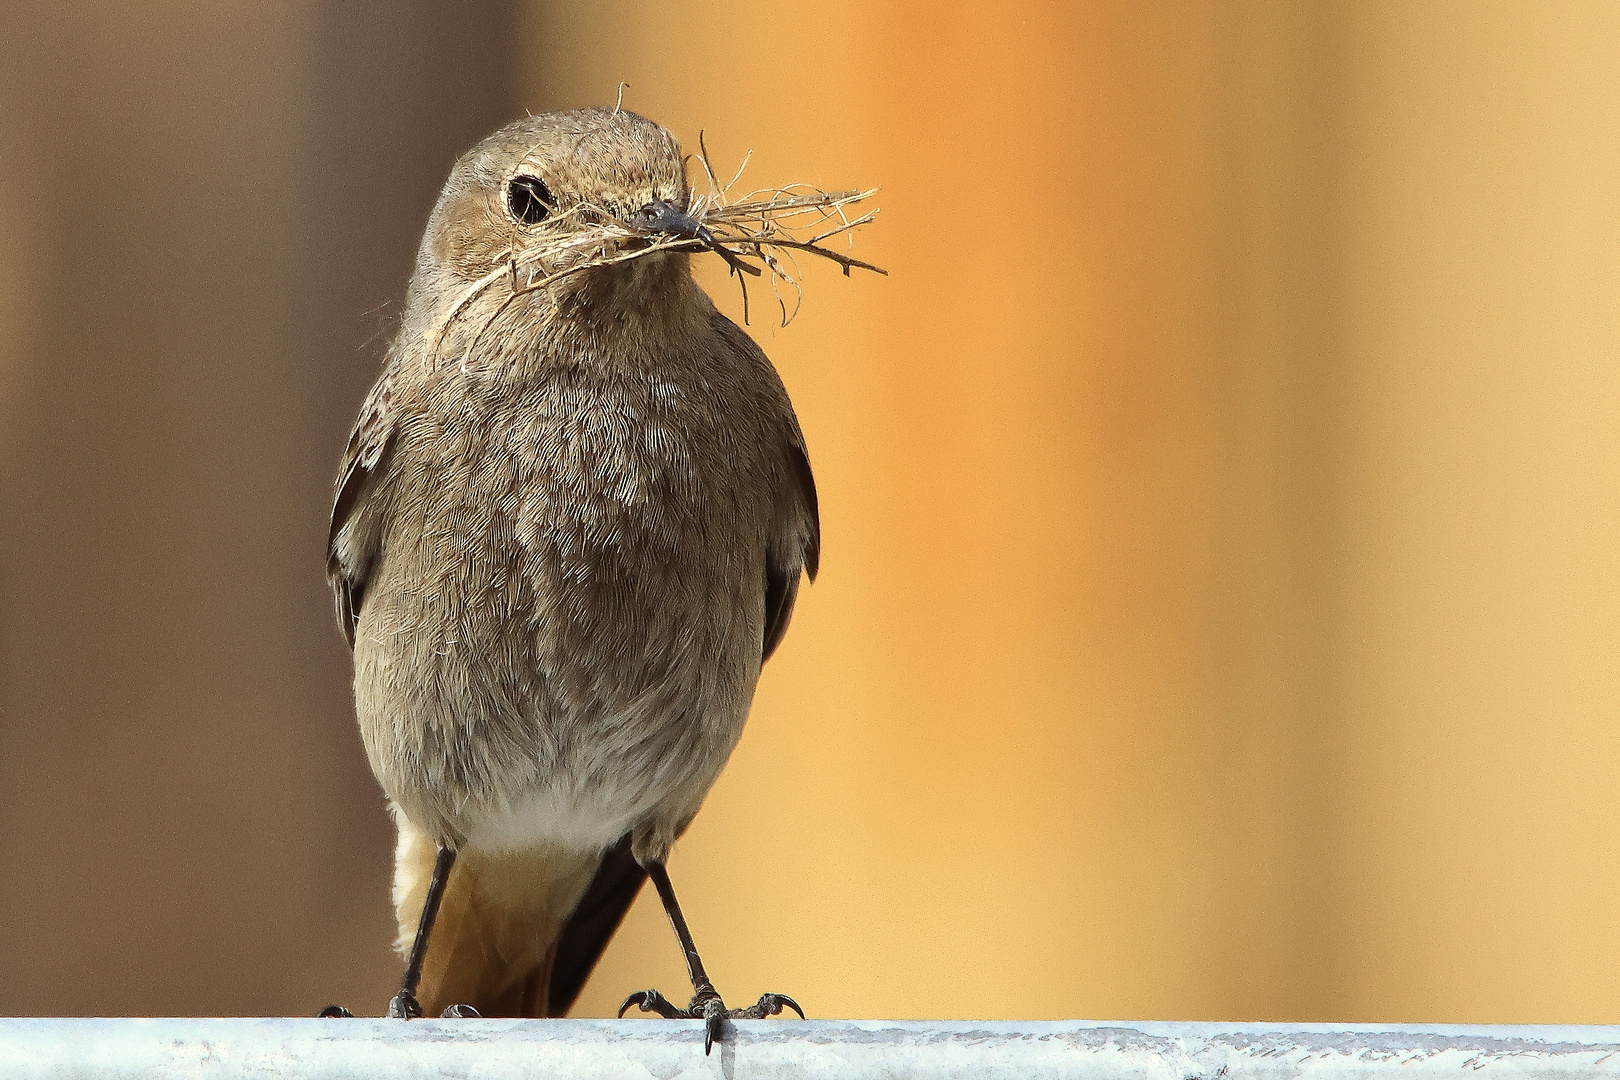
[1218, 615]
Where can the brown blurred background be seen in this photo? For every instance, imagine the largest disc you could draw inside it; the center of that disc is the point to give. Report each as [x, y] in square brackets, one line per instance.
[1218, 615]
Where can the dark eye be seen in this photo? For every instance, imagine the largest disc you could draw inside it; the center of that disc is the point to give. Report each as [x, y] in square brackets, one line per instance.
[529, 199]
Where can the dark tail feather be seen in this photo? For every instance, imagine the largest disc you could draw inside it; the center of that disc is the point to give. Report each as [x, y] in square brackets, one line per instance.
[592, 924]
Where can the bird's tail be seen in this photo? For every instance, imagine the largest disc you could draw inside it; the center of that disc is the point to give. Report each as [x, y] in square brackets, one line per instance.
[495, 938]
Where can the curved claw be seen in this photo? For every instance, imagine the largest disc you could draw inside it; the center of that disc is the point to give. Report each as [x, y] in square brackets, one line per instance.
[771, 1005]
[461, 1012]
[404, 1007]
[707, 1006]
[333, 1011]
[714, 1022]
[653, 1001]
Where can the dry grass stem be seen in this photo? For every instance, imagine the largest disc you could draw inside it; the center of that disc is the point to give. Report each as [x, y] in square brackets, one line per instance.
[760, 233]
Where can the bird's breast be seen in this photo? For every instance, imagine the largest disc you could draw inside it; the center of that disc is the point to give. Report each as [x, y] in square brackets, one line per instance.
[566, 618]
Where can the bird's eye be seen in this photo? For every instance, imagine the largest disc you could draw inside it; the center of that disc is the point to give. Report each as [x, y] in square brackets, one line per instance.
[529, 199]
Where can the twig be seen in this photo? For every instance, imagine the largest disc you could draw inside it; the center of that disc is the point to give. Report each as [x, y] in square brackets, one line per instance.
[762, 226]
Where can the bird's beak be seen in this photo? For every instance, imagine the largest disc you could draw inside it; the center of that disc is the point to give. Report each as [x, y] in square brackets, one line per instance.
[660, 216]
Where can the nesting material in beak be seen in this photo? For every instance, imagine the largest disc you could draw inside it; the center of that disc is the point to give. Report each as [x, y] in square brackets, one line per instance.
[660, 216]
[766, 228]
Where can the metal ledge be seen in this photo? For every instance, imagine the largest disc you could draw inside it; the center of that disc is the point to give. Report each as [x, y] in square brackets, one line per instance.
[845, 1049]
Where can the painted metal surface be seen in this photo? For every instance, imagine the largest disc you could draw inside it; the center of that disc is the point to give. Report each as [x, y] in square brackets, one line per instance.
[36, 1049]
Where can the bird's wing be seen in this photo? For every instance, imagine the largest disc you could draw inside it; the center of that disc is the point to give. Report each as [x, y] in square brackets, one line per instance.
[782, 567]
[368, 442]
[798, 543]
[618, 879]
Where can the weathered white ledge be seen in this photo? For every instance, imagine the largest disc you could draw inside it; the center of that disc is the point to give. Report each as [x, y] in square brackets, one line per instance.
[845, 1049]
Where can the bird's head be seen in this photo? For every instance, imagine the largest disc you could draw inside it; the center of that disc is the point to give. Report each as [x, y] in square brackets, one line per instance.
[548, 191]
[590, 211]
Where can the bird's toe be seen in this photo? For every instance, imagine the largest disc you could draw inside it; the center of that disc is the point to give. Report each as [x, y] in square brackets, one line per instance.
[767, 1005]
[653, 1001]
[404, 1006]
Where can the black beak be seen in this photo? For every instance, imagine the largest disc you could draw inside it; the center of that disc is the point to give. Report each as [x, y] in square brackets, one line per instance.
[660, 216]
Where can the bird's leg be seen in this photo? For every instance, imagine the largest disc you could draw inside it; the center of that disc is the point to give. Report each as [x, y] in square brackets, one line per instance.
[706, 1004]
[404, 1006]
[703, 991]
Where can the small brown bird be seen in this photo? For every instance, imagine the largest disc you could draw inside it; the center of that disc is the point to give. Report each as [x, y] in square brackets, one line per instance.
[569, 529]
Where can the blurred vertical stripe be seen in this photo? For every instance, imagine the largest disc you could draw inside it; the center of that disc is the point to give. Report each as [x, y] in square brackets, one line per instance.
[219, 206]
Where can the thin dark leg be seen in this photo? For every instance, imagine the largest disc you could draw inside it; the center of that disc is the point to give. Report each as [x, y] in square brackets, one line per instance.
[404, 1006]
[702, 988]
[706, 1004]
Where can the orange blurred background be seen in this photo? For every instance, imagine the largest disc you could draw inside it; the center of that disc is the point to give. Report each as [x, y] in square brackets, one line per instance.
[1218, 616]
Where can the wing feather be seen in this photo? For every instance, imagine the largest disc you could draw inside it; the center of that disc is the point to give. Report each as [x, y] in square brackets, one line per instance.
[368, 443]
[782, 575]
[798, 546]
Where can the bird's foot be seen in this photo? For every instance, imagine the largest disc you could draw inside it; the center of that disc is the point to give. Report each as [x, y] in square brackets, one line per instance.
[707, 1006]
[653, 1001]
[404, 1006]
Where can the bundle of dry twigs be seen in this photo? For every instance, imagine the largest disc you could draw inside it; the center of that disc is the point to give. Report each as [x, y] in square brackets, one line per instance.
[766, 228]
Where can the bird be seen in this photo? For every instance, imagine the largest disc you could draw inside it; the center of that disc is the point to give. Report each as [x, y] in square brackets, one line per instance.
[569, 528]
